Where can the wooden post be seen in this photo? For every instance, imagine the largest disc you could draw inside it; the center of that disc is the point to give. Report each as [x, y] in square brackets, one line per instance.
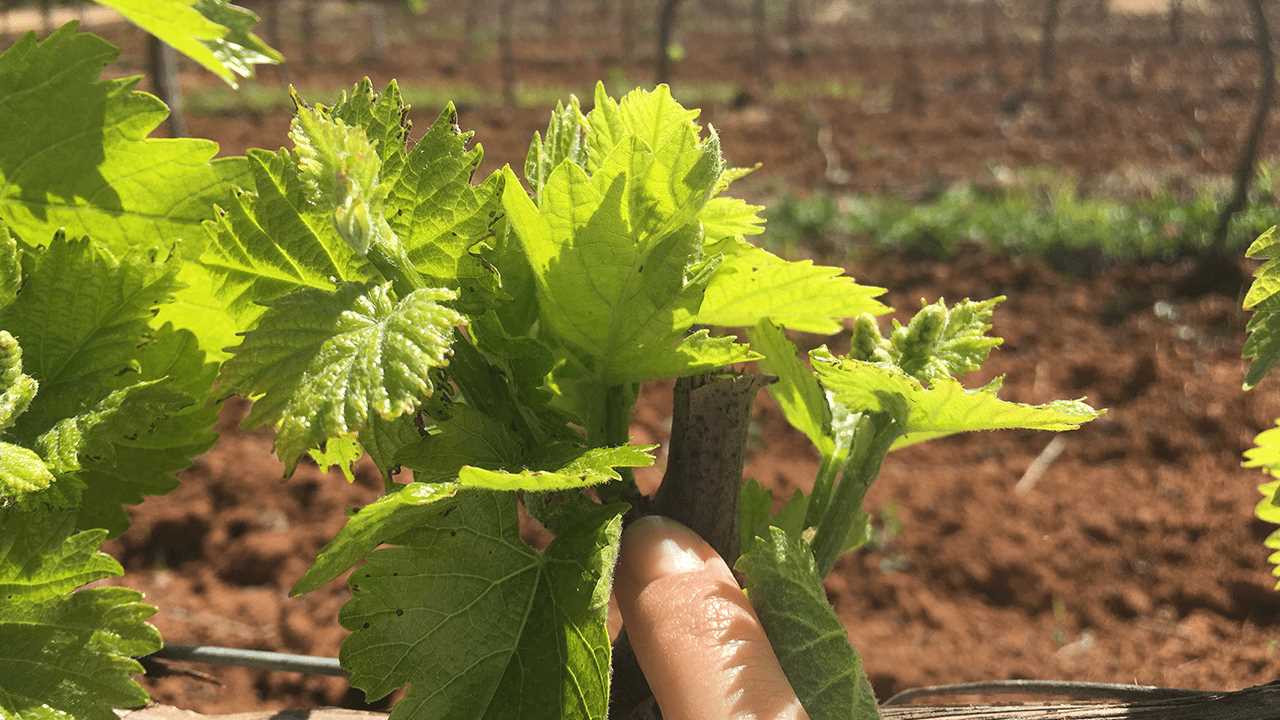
[667, 12]
[1175, 21]
[470, 23]
[377, 14]
[272, 22]
[164, 75]
[626, 13]
[760, 35]
[992, 15]
[1048, 43]
[1248, 160]
[506, 55]
[308, 17]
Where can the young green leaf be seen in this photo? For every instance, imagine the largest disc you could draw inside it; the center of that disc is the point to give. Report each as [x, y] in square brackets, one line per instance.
[787, 594]
[322, 364]
[582, 468]
[10, 267]
[98, 172]
[214, 33]
[1262, 348]
[1265, 455]
[17, 389]
[341, 170]
[65, 653]
[797, 392]
[945, 408]
[621, 298]
[437, 213]
[564, 140]
[942, 342]
[752, 284]
[22, 472]
[81, 317]
[498, 630]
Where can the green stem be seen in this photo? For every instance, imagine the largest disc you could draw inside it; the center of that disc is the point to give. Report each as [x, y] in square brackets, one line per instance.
[822, 486]
[390, 260]
[619, 400]
[871, 442]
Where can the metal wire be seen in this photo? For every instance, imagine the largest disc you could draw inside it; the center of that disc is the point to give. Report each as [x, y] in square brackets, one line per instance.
[287, 662]
[1068, 688]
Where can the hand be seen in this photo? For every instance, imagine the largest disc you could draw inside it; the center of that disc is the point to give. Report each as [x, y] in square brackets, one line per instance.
[694, 633]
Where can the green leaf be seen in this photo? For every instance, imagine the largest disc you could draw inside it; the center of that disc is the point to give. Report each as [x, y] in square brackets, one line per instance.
[1265, 455]
[88, 165]
[10, 267]
[615, 248]
[753, 284]
[21, 472]
[437, 213]
[797, 392]
[275, 240]
[728, 217]
[17, 389]
[945, 408]
[389, 517]
[127, 412]
[342, 453]
[342, 170]
[564, 140]
[1262, 348]
[756, 516]
[787, 594]
[65, 654]
[214, 33]
[146, 462]
[478, 624]
[322, 364]
[467, 437]
[81, 317]
[624, 311]
[586, 467]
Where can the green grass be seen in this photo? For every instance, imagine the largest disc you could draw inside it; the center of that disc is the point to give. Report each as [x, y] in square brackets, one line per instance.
[260, 98]
[1034, 212]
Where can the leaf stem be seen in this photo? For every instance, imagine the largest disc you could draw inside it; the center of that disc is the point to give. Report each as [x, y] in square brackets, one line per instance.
[619, 401]
[390, 259]
[822, 486]
[873, 437]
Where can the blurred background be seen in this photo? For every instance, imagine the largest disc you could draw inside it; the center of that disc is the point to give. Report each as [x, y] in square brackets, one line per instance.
[1102, 162]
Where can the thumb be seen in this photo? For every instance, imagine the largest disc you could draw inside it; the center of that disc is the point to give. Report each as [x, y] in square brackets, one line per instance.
[694, 633]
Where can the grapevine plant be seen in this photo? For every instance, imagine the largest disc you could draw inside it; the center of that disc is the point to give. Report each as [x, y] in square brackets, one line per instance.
[482, 341]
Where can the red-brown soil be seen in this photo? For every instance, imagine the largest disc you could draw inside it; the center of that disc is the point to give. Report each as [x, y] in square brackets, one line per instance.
[1135, 557]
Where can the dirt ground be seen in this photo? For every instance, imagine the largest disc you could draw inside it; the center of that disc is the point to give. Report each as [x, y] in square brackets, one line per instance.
[1135, 558]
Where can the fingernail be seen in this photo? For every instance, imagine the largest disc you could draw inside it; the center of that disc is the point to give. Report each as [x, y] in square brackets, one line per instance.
[654, 547]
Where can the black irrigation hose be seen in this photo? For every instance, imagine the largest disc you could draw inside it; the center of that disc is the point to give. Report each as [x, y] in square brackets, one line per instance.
[308, 664]
[1068, 688]
[315, 665]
